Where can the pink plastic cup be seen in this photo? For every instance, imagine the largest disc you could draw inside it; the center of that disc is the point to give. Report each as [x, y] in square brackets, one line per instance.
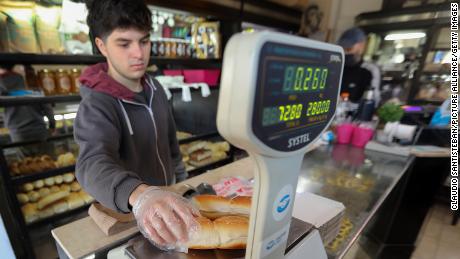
[361, 136]
[344, 133]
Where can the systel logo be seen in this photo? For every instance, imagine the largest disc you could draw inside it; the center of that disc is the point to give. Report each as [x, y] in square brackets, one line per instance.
[283, 203]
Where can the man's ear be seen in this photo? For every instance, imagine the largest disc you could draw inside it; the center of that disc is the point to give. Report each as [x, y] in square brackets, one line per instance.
[101, 46]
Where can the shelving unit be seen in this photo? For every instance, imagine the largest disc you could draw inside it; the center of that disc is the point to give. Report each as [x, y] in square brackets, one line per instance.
[431, 19]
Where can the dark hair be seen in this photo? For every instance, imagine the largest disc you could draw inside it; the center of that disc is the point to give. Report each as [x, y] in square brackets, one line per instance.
[105, 16]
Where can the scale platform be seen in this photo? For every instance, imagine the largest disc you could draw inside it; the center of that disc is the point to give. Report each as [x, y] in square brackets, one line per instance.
[140, 248]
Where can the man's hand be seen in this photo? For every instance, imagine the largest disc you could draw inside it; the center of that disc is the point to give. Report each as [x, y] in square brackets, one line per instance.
[164, 217]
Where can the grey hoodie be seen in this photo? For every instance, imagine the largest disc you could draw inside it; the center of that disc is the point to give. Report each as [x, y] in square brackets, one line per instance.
[124, 140]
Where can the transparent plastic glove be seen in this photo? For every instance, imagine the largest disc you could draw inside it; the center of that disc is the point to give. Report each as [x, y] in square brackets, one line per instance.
[166, 219]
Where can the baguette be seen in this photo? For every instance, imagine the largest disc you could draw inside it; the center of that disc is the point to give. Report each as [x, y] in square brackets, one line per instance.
[229, 232]
[75, 201]
[43, 202]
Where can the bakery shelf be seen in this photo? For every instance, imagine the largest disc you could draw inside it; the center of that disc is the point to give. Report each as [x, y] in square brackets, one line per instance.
[27, 100]
[56, 217]
[45, 59]
[25, 143]
[199, 137]
[16, 180]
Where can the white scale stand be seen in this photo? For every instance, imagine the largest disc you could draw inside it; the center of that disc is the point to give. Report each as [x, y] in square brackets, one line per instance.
[277, 95]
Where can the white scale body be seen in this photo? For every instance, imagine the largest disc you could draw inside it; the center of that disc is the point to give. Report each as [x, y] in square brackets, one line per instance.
[264, 75]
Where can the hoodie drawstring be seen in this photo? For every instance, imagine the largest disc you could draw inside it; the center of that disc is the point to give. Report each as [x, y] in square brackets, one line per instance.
[126, 118]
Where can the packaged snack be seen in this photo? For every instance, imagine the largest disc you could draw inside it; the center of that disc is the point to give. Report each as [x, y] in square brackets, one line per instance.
[47, 22]
[20, 26]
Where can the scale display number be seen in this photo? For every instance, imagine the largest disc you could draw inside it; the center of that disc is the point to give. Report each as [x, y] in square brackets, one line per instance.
[296, 93]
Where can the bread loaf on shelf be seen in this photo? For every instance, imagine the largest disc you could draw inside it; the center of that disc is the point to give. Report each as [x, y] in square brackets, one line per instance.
[75, 186]
[75, 201]
[213, 206]
[69, 177]
[22, 198]
[58, 179]
[44, 192]
[39, 184]
[33, 196]
[43, 202]
[54, 189]
[229, 232]
[49, 181]
[65, 187]
[30, 212]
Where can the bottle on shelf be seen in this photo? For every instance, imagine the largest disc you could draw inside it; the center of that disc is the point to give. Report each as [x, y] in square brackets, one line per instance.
[47, 83]
[63, 83]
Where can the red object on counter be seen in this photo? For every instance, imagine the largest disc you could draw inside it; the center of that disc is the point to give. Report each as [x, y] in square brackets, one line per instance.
[170, 72]
[208, 76]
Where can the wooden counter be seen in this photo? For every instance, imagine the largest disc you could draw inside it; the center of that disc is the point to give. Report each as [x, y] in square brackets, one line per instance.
[83, 237]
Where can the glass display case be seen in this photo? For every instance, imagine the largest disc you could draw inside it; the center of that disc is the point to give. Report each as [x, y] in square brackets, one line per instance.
[359, 179]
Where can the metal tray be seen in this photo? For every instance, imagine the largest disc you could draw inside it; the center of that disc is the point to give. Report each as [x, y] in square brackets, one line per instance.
[140, 248]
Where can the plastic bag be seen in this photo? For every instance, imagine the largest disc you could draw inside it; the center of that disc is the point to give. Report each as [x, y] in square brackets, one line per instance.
[166, 219]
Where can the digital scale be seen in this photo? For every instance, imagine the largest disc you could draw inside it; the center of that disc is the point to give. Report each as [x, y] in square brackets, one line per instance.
[278, 93]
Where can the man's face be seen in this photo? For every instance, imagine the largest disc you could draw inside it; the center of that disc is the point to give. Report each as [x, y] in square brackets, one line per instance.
[127, 52]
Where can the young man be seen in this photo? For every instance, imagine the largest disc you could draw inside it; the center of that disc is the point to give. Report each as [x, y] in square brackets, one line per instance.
[125, 128]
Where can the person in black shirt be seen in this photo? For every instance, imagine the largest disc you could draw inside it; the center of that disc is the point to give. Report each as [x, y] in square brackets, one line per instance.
[358, 76]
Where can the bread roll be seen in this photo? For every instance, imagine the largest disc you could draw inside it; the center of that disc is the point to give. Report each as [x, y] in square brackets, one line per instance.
[75, 201]
[30, 212]
[55, 189]
[213, 206]
[75, 187]
[43, 202]
[58, 179]
[60, 207]
[22, 198]
[46, 212]
[230, 232]
[233, 232]
[65, 187]
[33, 196]
[206, 238]
[69, 177]
[44, 192]
[39, 184]
[49, 181]
[27, 187]
[241, 205]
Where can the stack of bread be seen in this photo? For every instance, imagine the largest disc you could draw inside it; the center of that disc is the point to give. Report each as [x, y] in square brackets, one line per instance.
[30, 165]
[200, 153]
[53, 195]
[224, 223]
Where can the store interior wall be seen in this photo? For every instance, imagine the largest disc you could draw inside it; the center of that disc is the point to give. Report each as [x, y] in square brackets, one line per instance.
[343, 12]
